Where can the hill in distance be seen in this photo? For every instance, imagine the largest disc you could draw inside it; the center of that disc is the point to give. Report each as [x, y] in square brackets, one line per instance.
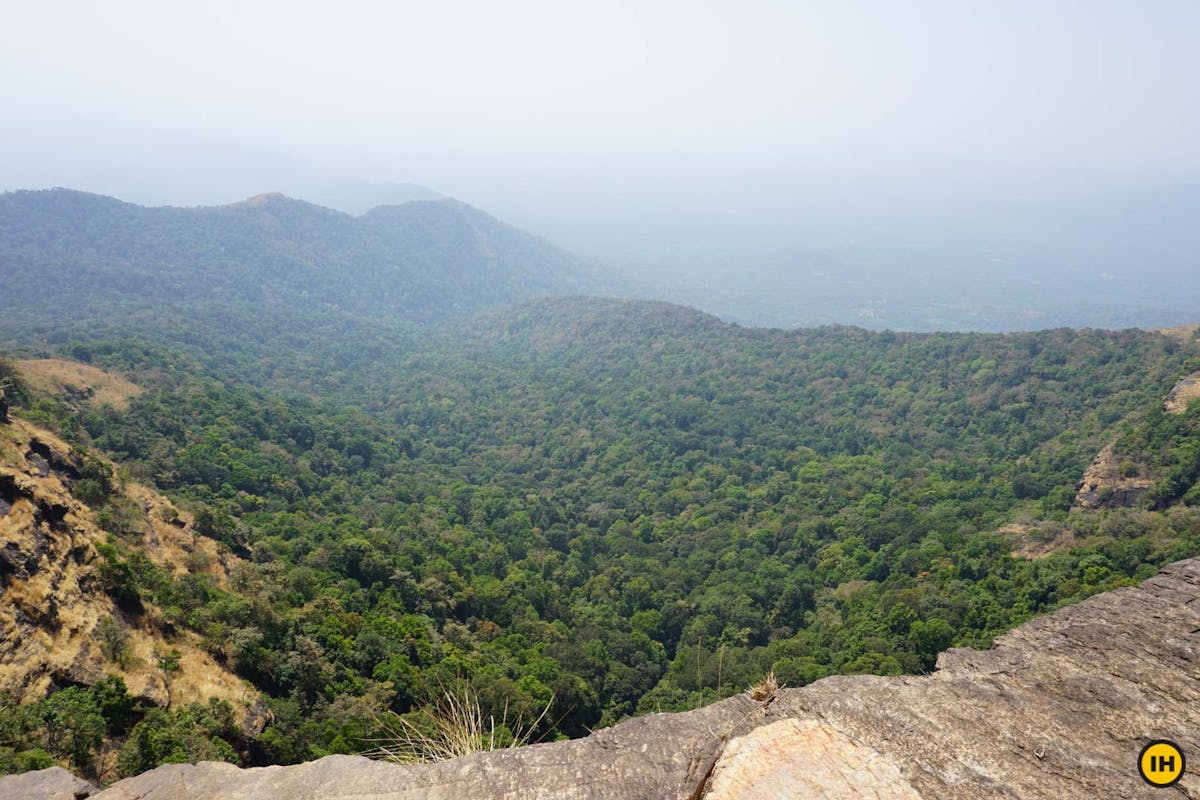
[267, 266]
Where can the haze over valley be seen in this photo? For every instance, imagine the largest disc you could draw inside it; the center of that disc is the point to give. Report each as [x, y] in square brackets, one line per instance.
[914, 168]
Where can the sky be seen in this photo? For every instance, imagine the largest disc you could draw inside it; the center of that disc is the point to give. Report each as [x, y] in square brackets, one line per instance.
[434, 91]
[679, 137]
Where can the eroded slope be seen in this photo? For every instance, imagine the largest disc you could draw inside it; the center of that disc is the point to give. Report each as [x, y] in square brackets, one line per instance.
[54, 610]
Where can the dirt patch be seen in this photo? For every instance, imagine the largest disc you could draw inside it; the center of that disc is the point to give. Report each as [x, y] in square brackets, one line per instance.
[72, 381]
[1032, 542]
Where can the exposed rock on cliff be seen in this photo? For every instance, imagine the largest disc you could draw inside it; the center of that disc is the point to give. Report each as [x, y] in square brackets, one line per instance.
[54, 783]
[1104, 484]
[1059, 708]
[1184, 392]
[52, 601]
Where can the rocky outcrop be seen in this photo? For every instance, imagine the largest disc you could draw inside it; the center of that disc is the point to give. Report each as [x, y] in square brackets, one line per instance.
[54, 783]
[1108, 483]
[52, 598]
[1105, 484]
[804, 758]
[1184, 392]
[1058, 708]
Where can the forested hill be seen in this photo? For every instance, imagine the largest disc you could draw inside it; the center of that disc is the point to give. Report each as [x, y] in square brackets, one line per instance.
[607, 507]
[268, 266]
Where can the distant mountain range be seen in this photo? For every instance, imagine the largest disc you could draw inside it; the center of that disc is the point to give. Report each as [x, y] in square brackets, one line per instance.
[268, 264]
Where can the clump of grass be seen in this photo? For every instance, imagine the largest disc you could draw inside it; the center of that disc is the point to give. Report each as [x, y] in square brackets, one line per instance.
[452, 725]
[765, 688]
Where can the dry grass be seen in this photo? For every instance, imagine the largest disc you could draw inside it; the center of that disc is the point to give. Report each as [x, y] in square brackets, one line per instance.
[176, 547]
[765, 689]
[453, 725]
[63, 587]
[1032, 542]
[70, 379]
[1184, 333]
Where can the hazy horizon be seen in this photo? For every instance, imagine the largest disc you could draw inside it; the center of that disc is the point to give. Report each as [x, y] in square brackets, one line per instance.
[721, 154]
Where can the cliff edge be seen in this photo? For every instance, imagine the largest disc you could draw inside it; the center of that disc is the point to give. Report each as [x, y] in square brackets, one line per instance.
[1058, 708]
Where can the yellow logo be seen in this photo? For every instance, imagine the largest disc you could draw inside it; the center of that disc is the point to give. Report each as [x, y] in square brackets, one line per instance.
[1161, 763]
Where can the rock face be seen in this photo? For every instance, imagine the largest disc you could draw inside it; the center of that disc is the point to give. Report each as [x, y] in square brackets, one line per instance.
[54, 783]
[52, 599]
[1184, 392]
[1104, 486]
[1058, 709]
[804, 758]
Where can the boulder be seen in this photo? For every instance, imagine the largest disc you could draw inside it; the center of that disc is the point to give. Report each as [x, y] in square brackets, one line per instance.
[54, 783]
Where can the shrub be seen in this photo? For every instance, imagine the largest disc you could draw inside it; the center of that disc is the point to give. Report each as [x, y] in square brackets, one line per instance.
[450, 726]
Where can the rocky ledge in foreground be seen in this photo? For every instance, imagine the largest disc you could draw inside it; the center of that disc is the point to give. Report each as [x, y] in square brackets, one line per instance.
[1059, 708]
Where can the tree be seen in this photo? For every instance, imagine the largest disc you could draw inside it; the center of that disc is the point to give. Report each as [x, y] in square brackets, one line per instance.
[114, 640]
[74, 726]
[193, 733]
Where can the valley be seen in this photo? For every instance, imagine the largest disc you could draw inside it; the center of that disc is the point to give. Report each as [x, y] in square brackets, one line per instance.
[575, 510]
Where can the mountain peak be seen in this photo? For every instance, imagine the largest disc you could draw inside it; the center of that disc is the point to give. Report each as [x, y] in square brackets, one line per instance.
[264, 199]
[279, 200]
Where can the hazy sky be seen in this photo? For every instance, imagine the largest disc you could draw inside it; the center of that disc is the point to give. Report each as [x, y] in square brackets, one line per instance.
[436, 92]
[731, 154]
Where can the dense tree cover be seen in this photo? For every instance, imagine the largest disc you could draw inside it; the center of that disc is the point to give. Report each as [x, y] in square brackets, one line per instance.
[72, 724]
[1167, 446]
[615, 508]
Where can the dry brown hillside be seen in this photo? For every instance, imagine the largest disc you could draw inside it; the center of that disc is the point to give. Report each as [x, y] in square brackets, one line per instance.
[71, 380]
[58, 626]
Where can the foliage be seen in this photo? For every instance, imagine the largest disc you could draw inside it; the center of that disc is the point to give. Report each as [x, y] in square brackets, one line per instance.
[69, 725]
[602, 508]
[114, 640]
[96, 482]
[187, 735]
[12, 762]
[1171, 443]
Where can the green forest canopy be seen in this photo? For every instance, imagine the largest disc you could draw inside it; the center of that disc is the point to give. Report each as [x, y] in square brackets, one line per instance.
[615, 507]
